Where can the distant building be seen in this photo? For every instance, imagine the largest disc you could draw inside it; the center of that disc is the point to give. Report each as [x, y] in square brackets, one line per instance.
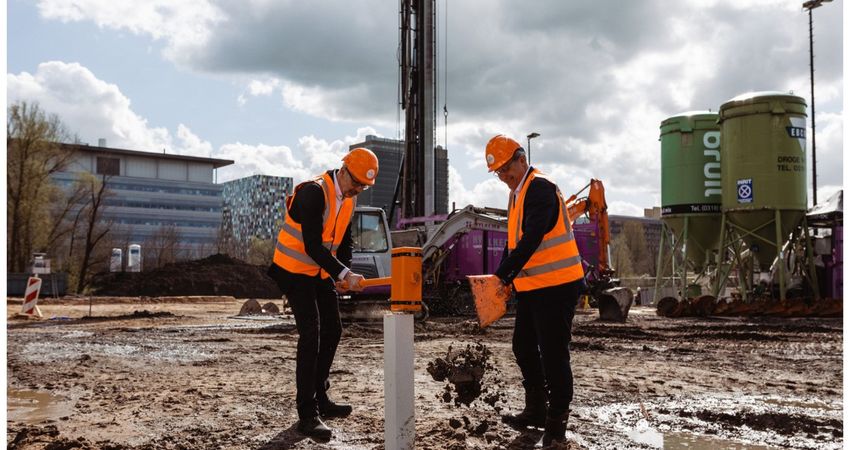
[652, 213]
[153, 191]
[651, 229]
[651, 237]
[389, 153]
[441, 173]
[254, 206]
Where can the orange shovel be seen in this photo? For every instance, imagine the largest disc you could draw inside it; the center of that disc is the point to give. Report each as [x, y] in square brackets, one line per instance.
[491, 298]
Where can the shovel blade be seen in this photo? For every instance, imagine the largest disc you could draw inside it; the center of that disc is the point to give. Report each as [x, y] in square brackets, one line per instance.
[490, 296]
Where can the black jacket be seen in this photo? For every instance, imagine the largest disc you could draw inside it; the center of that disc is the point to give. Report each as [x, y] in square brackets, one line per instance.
[306, 209]
[540, 214]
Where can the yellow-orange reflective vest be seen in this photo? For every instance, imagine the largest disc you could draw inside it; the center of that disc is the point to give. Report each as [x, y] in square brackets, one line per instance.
[290, 253]
[556, 260]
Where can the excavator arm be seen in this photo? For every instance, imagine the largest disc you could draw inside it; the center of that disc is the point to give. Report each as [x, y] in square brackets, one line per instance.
[613, 302]
[595, 207]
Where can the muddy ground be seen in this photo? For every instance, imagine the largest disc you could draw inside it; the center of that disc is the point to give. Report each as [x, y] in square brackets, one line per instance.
[147, 375]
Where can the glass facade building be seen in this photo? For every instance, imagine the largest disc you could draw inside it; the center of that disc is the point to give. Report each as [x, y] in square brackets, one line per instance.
[254, 206]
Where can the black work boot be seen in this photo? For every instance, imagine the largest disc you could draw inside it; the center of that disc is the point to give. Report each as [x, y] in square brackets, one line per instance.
[555, 430]
[534, 413]
[328, 409]
[314, 427]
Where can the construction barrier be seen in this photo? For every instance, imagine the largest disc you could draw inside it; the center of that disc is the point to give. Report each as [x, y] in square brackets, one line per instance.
[31, 297]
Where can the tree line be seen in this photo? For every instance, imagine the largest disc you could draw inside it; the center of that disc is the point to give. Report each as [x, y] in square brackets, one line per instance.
[66, 222]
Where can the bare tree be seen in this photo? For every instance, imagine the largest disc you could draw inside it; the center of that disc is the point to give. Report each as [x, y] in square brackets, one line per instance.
[621, 256]
[634, 234]
[163, 245]
[90, 217]
[260, 251]
[33, 154]
[64, 207]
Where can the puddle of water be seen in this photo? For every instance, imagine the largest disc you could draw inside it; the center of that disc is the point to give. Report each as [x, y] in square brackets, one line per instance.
[35, 406]
[676, 423]
[55, 351]
[702, 442]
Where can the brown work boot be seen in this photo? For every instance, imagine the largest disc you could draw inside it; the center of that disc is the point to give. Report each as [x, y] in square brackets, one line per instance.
[534, 413]
[314, 427]
[554, 431]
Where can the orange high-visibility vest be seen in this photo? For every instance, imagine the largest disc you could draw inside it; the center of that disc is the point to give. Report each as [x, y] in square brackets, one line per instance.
[290, 253]
[556, 260]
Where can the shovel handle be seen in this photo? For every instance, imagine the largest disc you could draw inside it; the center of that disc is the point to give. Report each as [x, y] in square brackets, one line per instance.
[368, 282]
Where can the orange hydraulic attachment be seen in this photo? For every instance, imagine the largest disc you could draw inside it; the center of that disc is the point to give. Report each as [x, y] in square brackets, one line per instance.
[596, 208]
[406, 280]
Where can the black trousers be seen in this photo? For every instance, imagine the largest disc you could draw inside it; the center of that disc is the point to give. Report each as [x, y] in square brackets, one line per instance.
[315, 305]
[541, 341]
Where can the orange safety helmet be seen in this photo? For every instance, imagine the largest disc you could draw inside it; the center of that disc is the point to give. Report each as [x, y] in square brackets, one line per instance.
[500, 150]
[362, 164]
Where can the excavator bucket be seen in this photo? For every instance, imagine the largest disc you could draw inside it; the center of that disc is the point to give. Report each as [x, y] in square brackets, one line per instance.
[491, 298]
[614, 304]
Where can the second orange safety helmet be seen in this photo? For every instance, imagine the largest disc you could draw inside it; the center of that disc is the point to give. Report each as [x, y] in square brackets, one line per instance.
[362, 164]
[500, 150]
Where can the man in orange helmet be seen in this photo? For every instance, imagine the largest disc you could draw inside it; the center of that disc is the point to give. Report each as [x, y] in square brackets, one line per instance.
[543, 265]
[311, 260]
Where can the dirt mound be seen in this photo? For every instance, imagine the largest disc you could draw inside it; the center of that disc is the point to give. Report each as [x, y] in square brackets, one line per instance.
[214, 275]
[707, 305]
[463, 369]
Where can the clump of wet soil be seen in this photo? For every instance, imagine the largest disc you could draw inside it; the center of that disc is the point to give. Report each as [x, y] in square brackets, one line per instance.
[253, 308]
[217, 275]
[48, 437]
[464, 370]
[782, 423]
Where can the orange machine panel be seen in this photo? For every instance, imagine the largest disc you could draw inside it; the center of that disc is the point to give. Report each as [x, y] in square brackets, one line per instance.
[406, 286]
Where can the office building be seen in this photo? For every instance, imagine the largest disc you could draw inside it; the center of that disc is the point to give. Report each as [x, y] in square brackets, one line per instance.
[151, 192]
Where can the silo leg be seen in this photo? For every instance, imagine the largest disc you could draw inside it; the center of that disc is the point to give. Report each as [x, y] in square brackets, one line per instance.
[778, 222]
[685, 259]
[813, 275]
[659, 269]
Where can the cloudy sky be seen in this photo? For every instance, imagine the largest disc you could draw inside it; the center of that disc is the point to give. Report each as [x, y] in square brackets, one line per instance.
[283, 87]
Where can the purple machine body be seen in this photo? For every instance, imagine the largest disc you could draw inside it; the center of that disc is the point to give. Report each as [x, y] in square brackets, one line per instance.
[479, 252]
[835, 267]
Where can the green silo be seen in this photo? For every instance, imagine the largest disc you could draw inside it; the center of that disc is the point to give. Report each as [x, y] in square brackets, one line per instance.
[691, 181]
[763, 163]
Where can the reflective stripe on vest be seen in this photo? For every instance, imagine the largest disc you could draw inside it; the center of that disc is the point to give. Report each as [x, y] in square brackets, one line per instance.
[290, 253]
[556, 260]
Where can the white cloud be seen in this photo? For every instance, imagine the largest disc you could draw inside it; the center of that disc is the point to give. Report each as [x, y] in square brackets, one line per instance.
[92, 108]
[185, 25]
[596, 85]
[492, 192]
[191, 144]
[262, 87]
[260, 159]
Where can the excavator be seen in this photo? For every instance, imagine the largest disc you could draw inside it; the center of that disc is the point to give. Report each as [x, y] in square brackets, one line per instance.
[470, 241]
[593, 238]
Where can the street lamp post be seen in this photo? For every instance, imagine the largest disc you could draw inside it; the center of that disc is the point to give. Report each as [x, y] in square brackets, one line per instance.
[530, 137]
[810, 5]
